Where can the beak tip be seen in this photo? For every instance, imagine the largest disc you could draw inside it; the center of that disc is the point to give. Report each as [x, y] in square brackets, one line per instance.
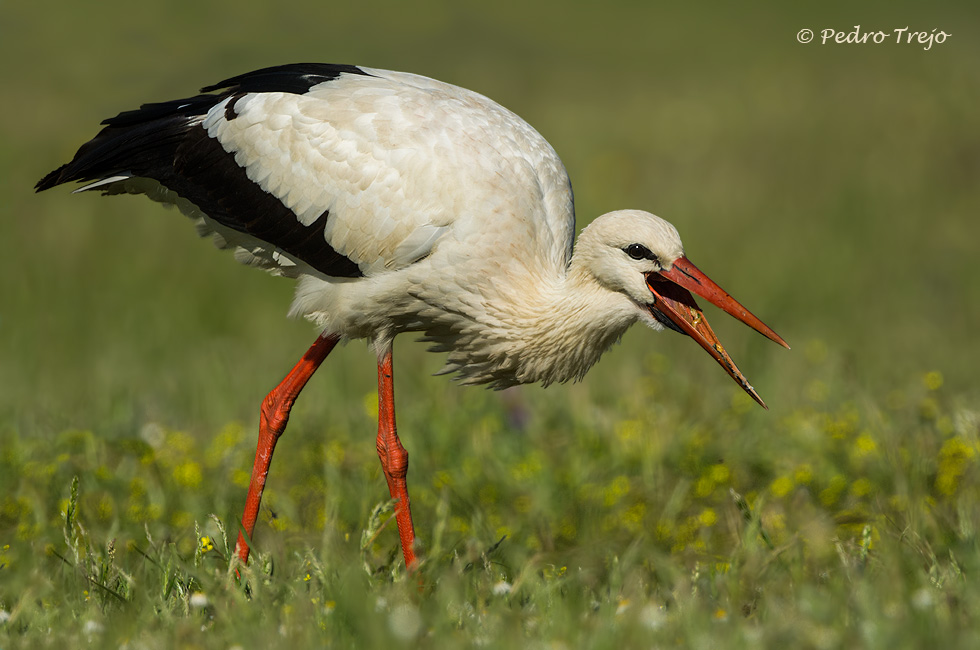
[772, 336]
[754, 395]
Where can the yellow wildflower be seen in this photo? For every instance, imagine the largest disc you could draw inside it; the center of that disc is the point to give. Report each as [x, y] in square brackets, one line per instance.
[933, 380]
[781, 486]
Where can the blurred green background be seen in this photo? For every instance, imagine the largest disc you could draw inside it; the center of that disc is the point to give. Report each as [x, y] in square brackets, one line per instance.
[833, 189]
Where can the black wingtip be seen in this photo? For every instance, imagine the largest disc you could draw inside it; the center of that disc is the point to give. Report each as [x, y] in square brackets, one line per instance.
[51, 180]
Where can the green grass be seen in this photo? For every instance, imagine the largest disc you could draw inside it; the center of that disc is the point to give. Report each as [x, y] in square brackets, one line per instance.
[832, 189]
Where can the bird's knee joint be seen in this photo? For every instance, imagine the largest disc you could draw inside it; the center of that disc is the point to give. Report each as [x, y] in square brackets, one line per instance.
[395, 466]
[274, 414]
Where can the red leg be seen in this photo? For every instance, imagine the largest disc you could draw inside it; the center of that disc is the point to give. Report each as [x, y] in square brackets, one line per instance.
[394, 458]
[272, 422]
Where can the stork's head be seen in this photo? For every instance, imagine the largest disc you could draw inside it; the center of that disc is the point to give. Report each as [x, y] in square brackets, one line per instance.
[640, 255]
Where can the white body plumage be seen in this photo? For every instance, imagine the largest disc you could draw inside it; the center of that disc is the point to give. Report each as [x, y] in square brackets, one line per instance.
[458, 214]
[400, 203]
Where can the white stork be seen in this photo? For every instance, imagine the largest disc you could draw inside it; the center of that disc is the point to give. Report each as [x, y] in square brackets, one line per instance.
[401, 203]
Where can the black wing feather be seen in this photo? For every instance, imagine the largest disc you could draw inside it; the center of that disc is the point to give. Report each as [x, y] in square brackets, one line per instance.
[164, 141]
[295, 78]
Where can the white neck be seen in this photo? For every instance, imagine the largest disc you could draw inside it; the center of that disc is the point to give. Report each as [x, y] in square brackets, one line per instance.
[547, 330]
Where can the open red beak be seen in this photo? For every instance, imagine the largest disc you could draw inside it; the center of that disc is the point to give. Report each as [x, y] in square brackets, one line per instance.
[675, 308]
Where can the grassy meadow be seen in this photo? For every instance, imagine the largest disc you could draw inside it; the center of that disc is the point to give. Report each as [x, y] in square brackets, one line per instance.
[833, 189]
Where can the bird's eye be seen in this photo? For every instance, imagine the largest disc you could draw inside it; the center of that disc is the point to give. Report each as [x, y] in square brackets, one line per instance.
[639, 252]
